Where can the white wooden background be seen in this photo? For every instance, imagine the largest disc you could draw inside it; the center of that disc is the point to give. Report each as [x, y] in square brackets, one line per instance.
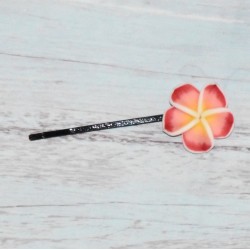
[66, 63]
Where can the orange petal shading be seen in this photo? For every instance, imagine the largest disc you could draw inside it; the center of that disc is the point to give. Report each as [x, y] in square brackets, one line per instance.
[221, 124]
[175, 121]
[212, 97]
[198, 139]
[186, 95]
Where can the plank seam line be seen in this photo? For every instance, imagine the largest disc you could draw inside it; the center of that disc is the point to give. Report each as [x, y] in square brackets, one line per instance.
[119, 67]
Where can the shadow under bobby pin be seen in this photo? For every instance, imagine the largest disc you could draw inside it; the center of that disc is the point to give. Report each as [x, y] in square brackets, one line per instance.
[199, 116]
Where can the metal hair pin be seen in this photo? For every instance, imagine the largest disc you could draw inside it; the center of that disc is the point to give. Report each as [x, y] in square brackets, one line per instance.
[199, 116]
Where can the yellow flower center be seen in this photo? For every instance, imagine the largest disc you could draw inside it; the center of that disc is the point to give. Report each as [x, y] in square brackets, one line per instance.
[200, 115]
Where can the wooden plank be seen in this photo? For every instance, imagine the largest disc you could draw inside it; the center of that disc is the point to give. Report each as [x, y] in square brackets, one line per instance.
[70, 63]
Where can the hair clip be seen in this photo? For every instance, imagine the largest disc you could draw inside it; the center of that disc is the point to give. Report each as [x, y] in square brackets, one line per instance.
[199, 116]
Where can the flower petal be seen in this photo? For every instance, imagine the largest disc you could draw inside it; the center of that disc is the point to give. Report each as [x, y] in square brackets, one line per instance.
[176, 122]
[186, 96]
[211, 97]
[221, 123]
[199, 139]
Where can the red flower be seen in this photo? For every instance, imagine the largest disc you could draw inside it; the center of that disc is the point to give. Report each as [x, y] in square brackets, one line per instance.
[198, 116]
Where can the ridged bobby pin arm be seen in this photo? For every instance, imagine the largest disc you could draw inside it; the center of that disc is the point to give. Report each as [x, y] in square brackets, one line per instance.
[97, 127]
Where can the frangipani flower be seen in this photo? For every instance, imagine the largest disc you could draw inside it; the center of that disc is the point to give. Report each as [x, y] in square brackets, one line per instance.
[200, 117]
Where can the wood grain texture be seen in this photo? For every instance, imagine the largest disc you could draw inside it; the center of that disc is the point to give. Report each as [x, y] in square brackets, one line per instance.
[69, 63]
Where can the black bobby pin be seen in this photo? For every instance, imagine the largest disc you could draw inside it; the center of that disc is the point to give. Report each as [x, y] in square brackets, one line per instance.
[97, 127]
